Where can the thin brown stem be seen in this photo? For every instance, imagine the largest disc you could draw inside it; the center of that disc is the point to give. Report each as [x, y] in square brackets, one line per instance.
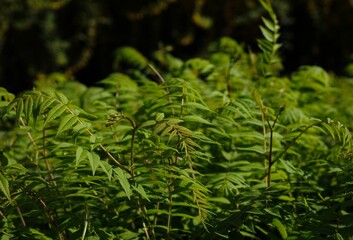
[101, 146]
[140, 204]
[160, 81]
[32, 141]
[160, 78]
[23, 222]
[270, 159]
[294, 140]
[132, 154]
[111, 156]
[42, 153]
[3, 216]
[265, 147]
[271, 127]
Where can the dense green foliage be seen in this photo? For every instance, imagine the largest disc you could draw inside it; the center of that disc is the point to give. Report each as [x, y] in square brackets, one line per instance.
[220, 147]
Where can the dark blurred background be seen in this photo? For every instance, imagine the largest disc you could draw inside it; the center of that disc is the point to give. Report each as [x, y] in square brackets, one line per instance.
[79, 38]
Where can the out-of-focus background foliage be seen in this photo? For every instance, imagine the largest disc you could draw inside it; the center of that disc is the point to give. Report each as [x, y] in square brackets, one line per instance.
[79, 38]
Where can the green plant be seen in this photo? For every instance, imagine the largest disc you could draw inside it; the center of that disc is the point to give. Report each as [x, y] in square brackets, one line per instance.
[221, 147]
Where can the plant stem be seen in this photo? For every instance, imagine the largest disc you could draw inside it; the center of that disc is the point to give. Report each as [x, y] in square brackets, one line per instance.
[3, 216]
[161, 79]
[20, 214]
[232, 61]
[265, 145]
[42, 153]
[270, 159]
[140, 204]
[100, 145]
[132, 154]
[112, 157]
[32, 141]
[294, 140]
[85, 221]
[271, 149]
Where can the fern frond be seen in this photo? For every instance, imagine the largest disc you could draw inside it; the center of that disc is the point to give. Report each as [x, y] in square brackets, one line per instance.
[269, 44]
[130, 57]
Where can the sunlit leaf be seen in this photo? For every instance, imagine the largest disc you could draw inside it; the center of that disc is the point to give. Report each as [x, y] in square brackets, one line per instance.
[141, 191]
[66, 123]
[81, 154]
[195, 118]
[55, 112]
[94, 161]
[4, 187]
[123, 181]
[107, 168]
[280, 227]
[147, 123]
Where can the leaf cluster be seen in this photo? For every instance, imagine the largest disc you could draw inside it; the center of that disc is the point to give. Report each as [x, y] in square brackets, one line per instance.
[220, 147]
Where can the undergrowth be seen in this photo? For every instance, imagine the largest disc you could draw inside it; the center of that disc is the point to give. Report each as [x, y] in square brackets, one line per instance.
[221, 147]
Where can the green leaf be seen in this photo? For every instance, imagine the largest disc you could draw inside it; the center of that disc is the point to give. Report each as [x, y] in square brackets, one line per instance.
[280, 227]
[46, 103]
[81, 154]
[107, 168]
[37, 234]
[5, 108]
[80, 128]
[54, 113]
[271, 212]
[66, 123]
[267, 34]
[196, 105]
[63, 99]
[36, 107]
[131, 57]
[94, 160]
[123, 181]
[28, 108]
[195, 118]
[19, 110]
[291, 169]
[141, 191]
[92, 139]
[264, 45]
[148, 123]
[172, 135]
[159, 127]
[329, 129]
[258, 100]
[269, 24]
[4, 187]
[173, 121]
[255, 148]
[266, 4]
[166, 130]
[159, 117]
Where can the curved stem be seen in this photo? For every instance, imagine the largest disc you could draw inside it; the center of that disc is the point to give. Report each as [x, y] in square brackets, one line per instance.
[294, 140]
